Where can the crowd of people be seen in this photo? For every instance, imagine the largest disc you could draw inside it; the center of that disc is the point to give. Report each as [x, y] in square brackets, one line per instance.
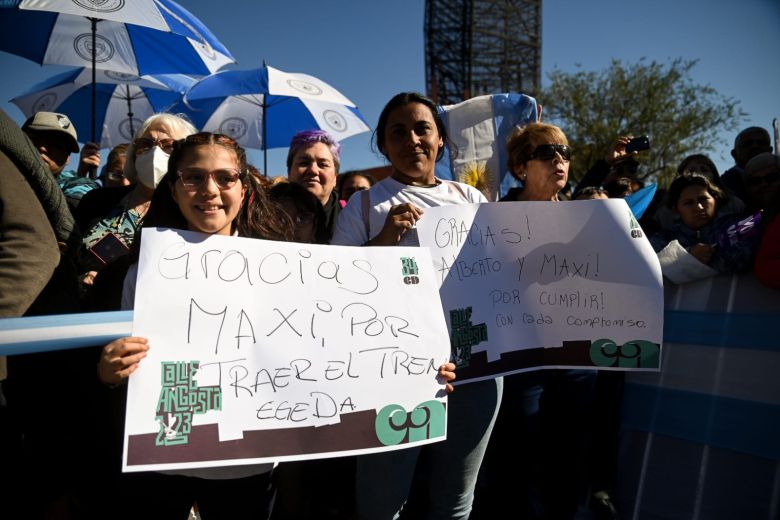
[522, 443]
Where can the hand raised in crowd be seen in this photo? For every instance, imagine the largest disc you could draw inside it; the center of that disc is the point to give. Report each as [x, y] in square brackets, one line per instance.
[400, 219]
[447, 374]
[89, 160]
[702, 252]
[618, 150]
[120, 358]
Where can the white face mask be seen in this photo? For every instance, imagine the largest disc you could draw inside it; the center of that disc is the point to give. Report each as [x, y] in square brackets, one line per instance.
[151, 167]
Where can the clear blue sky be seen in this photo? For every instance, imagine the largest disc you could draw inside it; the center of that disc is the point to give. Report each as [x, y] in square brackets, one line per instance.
[371, 49]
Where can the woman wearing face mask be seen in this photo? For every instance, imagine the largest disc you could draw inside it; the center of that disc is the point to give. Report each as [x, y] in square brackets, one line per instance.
[111, 235]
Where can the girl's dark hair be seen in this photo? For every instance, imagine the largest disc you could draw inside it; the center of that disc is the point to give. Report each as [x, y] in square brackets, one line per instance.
[258, 218]
[404, 98]
[695, 179]
[305, 202]
[344, 177]
[699, 157]
[617, 188]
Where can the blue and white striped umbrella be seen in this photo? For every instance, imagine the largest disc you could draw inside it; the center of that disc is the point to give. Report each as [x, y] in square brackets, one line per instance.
[135, 37]
[123, 101]
[138, 37]
[264, 108]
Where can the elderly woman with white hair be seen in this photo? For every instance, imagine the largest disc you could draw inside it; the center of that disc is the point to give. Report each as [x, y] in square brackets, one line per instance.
[111, 235]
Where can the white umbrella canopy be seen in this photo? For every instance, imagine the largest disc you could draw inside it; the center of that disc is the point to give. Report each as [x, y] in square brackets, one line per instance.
[123, 101]
[264, 108]
[111, 35]
[136, 37]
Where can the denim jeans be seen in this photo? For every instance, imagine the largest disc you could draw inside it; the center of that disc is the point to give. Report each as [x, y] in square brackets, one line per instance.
[435, 481]
[542, 438]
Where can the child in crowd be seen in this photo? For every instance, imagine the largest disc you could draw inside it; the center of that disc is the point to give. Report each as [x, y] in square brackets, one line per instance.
[704, 240]
[206, 188]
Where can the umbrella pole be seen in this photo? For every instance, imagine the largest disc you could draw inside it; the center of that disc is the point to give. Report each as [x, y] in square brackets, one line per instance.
[265, 143]
[94, 79]
[129, 111]
[92, 173]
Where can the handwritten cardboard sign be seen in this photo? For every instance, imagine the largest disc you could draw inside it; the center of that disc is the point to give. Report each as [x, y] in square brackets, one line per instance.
[540, 284]
[267, 351]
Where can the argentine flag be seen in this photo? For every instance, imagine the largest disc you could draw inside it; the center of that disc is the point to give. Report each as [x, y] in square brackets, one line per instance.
[479, 128]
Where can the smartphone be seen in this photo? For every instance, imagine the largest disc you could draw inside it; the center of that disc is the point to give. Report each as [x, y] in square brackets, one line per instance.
[109, 248]
[638, 144]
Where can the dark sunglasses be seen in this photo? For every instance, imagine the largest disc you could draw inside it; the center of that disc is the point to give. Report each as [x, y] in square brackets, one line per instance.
[143, 144]
[545, 152]
[757, 180]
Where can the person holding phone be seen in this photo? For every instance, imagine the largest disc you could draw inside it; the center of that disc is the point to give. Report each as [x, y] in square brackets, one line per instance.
[619, 162]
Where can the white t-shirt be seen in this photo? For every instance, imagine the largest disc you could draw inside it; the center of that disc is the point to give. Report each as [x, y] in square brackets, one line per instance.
[351, 228]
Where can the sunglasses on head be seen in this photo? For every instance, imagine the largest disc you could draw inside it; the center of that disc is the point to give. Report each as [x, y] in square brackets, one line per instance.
[545, 152]
[757, 180]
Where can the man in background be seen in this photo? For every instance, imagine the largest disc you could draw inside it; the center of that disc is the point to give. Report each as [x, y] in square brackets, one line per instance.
[750, 142]
[55, 138]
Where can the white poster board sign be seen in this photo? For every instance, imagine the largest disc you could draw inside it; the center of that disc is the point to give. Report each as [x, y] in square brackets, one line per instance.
[266, 351]
[526, 285]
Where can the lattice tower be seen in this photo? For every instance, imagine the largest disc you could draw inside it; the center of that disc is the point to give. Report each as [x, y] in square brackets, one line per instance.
[475, 47]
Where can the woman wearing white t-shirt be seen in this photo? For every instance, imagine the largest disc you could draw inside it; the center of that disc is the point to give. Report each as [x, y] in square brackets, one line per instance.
[411, 135]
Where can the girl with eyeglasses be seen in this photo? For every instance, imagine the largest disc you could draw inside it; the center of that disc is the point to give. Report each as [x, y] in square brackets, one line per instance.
[205, 188]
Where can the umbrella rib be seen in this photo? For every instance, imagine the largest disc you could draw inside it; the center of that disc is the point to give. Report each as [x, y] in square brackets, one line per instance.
[249, 98]
[179, 19]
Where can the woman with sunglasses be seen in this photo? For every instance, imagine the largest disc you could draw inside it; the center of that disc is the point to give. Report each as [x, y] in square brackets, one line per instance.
[541, 440]
[205, 188]
[539, 157]
[411, 135]
[110, 235]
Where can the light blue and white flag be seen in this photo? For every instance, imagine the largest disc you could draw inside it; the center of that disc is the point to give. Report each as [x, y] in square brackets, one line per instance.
[62, 331]
[479, 128]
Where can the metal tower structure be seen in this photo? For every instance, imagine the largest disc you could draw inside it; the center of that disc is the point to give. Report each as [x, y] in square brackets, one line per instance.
[475, 47]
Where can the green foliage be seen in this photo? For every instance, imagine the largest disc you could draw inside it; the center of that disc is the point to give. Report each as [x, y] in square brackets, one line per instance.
[661, 100]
